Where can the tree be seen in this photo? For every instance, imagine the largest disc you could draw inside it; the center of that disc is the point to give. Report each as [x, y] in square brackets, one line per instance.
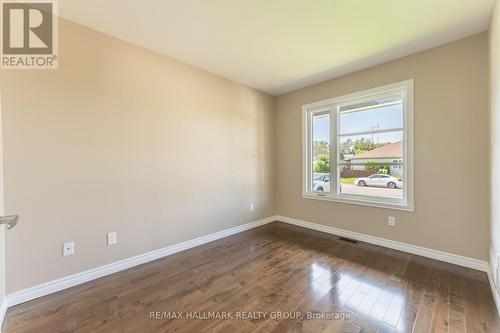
[322, 163]
[320, 148]
[362, 145]
[358, 146]
[346, 148]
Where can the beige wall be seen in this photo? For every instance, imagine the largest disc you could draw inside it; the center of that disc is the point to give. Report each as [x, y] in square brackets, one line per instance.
[122, 139]
[3, 284]
[451, 151]
[495, 128]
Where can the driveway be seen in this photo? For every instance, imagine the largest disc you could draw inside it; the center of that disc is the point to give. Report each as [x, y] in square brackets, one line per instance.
[375, 191]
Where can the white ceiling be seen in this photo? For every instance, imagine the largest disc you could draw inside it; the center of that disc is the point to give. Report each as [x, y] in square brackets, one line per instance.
[281, 45]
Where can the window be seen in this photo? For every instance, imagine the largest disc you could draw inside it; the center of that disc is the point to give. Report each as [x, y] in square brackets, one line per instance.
[359, 148]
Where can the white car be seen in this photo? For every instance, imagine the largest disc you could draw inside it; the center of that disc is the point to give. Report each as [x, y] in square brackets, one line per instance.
[321, 182]
[380, 180]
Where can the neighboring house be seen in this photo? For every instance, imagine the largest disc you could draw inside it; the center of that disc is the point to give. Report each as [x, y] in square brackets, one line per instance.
[390, 153]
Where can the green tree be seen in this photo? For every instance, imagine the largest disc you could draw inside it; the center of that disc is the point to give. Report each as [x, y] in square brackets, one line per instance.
[358, 146]
[320, 148]
[362, 145]
[322, 163]
[346, 148]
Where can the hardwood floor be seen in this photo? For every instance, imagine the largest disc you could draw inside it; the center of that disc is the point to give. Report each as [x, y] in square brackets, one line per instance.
[280, 270]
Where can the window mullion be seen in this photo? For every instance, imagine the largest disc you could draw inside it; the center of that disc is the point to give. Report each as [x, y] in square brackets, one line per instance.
[334, 187]
[388, 130]
[402, 196]
[310, 151]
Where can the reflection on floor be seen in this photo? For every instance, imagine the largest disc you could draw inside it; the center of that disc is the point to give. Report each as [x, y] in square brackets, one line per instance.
[275, 278]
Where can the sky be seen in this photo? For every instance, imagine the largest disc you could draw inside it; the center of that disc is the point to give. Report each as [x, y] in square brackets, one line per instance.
[381, 118]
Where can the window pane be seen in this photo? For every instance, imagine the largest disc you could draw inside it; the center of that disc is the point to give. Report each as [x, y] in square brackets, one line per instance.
[372, 165]
[376, 147]
[368, 147]
[321, 152]
[370, 182]
[356, 118]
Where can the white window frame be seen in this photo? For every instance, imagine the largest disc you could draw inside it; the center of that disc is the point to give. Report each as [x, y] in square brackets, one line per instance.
[333, 105]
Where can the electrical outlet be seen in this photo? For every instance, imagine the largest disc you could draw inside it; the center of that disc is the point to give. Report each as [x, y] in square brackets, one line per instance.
[68, 249]
[391, 221]
[252, 207]
[112, 239]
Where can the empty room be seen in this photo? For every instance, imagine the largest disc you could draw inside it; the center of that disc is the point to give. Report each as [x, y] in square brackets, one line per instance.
[249, 166]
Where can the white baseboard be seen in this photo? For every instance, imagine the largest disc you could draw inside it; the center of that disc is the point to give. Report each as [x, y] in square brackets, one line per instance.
[413, 249]
[493, 278]
[79, 278]
[3, 311]
[494, 291]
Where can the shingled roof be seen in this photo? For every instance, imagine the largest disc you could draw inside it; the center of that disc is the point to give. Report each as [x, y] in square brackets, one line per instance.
[390, 150]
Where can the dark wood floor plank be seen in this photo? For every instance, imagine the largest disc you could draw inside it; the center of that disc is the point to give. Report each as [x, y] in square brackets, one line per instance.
[273, 269]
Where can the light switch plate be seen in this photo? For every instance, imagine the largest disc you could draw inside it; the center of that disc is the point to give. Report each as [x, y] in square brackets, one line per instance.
[112, 238]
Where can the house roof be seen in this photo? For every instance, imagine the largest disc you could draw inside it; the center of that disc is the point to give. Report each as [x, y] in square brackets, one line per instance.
[390, 150]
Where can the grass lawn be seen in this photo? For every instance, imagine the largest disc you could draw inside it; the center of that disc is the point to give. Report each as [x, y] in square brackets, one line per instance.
[347, 180]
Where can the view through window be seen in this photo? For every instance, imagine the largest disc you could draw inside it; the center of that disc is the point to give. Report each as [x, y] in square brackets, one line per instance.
[357, 147]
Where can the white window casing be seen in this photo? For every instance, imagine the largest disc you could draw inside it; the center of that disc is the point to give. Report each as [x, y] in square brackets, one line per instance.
[332, 107]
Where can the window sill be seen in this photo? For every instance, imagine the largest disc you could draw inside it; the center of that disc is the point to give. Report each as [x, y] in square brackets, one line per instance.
[355, 201]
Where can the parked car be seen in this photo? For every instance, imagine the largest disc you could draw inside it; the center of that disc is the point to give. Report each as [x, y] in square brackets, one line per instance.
[380, 180]
[321, 182]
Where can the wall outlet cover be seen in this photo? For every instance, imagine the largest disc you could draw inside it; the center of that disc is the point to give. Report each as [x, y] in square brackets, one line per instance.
[68, 249]
[391, 221]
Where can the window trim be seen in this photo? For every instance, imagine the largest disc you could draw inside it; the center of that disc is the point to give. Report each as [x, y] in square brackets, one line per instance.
[407, 203]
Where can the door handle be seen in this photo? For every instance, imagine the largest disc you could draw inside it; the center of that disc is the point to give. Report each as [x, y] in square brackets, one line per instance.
[10, 220]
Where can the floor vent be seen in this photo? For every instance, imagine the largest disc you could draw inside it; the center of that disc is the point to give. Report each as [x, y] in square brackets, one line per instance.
[348, 240]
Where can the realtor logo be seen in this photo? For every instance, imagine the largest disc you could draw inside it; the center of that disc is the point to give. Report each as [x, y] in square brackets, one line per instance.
[29, 34]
